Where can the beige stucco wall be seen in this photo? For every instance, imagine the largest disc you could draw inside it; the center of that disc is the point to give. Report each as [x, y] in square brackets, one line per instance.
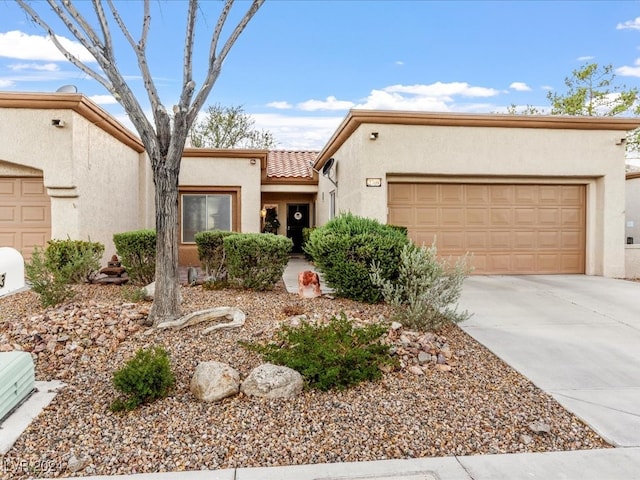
[228, 172]
[474, 153]
[91, 177]
[632, 261]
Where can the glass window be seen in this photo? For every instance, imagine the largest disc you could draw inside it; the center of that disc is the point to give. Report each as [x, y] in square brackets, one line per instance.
[204, 212]
[332, 206]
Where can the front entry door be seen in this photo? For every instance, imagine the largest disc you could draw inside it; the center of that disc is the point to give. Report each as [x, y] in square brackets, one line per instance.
[297, 219]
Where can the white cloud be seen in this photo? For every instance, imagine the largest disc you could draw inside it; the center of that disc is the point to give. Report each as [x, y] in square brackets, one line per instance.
[103, 99]
[627, 71]
[400, 63]
[547, 87]
[41, 67]
[280, 105]
[585, 58]
[520, 87]
[385, 100]
[629, 24]
[4, 83]
[19, 45]
[330, 103]
[440, 89]
[298, 132]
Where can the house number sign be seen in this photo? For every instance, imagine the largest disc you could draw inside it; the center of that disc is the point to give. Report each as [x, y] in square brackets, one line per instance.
[2, 277]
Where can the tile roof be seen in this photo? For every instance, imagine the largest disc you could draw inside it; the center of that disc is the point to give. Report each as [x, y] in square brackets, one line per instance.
[285, 163]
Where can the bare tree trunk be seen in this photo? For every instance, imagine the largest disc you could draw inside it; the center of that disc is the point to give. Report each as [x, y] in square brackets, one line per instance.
[166, 304]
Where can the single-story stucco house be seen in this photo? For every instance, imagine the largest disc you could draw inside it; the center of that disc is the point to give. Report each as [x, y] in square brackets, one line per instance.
[525, 194]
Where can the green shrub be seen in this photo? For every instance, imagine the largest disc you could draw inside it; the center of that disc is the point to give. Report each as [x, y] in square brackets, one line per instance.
[256, 260]
[344, 248]
[137, 251]
[77, 260]
[211, 253]
[306, 233]
[144, 378]
[50, 284]
[333, 355]
[425, 290]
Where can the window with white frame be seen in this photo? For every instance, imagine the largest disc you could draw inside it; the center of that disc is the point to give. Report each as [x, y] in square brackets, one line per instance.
[202, 212]
[332, 204]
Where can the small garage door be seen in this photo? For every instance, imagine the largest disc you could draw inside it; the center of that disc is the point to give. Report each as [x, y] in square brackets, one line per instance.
[25, 214]
[509, 228]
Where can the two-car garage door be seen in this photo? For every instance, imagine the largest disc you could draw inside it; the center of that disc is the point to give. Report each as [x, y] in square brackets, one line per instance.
[509, 228]
[25, 214]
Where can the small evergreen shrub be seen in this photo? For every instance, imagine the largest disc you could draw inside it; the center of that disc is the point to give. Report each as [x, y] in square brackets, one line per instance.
[211, 253]
[344, 248]
[334, 355]
[426, 288]
[306, 233]
[78, 260]
[50, 284]
[144, 378]
[137, 251]
[256, 260]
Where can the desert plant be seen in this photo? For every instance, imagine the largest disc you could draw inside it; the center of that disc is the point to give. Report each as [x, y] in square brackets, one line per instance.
[256, 260]
[344, 248]
[77, 260]
[424, 294]
[332, 355]
[211, 253]
[50, 284]
[137, 251]
[144, 378]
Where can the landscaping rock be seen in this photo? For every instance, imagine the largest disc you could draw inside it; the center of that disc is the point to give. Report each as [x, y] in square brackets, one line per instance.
[273, 381]
[75, 464]
[213, 381]
[539, 427]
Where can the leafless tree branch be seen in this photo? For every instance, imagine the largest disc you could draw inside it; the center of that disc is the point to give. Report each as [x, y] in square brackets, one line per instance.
[215, 62]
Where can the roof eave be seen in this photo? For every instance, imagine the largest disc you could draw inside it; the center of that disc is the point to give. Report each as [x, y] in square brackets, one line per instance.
[355, 118]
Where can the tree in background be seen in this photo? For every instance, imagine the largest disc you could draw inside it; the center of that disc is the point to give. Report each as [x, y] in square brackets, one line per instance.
[592, 91]
[229, 127]
[164, 139]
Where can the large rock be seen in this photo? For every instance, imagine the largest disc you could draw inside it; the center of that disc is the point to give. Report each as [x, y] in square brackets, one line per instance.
[273, 381]
[213, 381]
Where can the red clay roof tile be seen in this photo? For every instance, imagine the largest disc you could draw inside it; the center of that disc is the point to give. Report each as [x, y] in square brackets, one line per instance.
[285, 163]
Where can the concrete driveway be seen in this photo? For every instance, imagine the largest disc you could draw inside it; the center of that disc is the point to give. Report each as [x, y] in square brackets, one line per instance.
[576, 337]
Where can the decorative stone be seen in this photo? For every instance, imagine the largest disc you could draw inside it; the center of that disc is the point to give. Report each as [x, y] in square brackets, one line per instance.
[213, 381]
[539, 427]
[75, 464]
[273, 381]
[309, 284]
[416, 370]
[423, 357]
[526, 439]
[396, 326]
[443, 368]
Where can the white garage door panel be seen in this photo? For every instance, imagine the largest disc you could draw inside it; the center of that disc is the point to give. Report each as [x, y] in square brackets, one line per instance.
[509, 228]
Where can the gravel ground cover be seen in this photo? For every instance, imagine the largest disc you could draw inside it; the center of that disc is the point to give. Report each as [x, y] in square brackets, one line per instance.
[481, 406]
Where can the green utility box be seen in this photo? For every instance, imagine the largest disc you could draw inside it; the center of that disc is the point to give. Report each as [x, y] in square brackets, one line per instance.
[17, 380]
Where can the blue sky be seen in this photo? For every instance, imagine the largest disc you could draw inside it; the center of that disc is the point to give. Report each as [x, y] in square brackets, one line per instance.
[301, 65]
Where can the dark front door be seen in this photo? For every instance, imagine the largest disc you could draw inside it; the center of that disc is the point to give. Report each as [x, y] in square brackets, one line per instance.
[297, 219]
